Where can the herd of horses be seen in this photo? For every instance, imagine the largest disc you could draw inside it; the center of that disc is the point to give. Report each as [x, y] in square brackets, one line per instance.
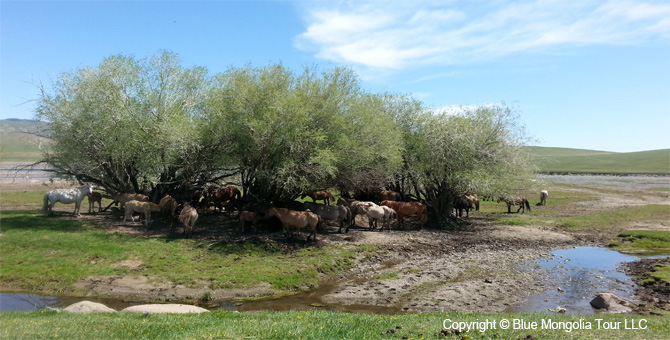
[293, 215]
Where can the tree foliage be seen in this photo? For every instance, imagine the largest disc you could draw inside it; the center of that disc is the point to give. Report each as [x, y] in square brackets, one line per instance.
[152, 125]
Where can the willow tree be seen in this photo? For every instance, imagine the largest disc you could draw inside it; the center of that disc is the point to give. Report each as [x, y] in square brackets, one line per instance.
[127, 124]
[289, 133]
[477, 151]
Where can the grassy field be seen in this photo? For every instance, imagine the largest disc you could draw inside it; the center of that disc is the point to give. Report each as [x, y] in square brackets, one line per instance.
[562, 160]
[329, 325]
[49, 255]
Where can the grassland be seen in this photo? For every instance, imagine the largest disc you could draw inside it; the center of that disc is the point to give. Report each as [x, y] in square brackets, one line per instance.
[562, 160]
[49, 255]
[326, 325]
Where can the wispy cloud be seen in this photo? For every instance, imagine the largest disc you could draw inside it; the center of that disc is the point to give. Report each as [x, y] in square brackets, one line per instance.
[394, 35]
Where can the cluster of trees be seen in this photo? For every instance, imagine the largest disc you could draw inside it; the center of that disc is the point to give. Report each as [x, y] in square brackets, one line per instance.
[151, 125]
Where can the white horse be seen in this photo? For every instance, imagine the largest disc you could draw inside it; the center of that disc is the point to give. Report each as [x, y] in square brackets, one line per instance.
[65, 196]
[543, 197]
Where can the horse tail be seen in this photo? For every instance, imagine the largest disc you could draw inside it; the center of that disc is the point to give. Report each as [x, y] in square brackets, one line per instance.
[45, 204]
[527, 205]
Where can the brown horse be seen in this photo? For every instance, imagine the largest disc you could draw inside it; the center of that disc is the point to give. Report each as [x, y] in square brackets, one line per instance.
[126, 197]
[520, 201]
[291, 219]
[220, 196]
[168, 207]
[462, 203]
[323, 195]
[473, 199]
[403, 209]
[134, 206]
[188, 216]
[94, 197]
[387, 195]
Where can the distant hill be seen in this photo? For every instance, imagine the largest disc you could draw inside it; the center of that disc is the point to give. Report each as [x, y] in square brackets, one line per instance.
[21, 139]
[563, 160]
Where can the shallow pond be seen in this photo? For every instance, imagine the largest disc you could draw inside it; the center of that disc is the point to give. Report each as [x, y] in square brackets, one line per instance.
[576, 275]
[579, 272]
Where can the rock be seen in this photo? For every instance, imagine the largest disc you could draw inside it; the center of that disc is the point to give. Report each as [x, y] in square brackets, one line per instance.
[165, 309]
[558, 309]
[610, 302]
[85, 307]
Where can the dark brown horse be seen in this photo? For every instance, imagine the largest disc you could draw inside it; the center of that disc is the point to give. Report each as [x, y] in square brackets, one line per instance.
[462, 203]
[520, 201]
[322, 195]
[94, 197]
[220, 196]
[168, 207]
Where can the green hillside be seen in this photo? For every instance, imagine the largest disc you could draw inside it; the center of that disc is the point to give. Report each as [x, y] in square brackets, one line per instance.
[21, 140]
[564, 160]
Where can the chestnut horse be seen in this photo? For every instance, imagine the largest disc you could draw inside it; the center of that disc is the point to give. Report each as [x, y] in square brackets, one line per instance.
[403, 209]
[387, 195]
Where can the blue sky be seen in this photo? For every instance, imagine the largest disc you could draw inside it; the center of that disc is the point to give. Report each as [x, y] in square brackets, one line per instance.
[583, 74]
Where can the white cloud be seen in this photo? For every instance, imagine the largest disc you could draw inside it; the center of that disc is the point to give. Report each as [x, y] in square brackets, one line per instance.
[400, 34]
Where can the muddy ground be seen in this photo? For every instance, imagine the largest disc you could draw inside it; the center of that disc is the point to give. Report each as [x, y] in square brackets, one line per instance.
[477, 267]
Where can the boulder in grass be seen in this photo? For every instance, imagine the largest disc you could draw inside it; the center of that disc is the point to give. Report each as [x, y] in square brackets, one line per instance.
[85, 307]
[165, 309]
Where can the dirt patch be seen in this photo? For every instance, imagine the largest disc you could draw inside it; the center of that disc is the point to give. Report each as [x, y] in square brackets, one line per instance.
[143, 288]
[654, 294]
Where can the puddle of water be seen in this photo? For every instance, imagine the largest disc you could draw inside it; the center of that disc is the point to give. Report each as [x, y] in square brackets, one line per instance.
[576, 275]
[30, 302]
[310, 301]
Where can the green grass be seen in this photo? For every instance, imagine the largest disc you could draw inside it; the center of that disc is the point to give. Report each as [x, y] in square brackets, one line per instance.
[608, 220]
[661, 273]
[49, 255]
[563, 160]
[319, 325]
[647, 240]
